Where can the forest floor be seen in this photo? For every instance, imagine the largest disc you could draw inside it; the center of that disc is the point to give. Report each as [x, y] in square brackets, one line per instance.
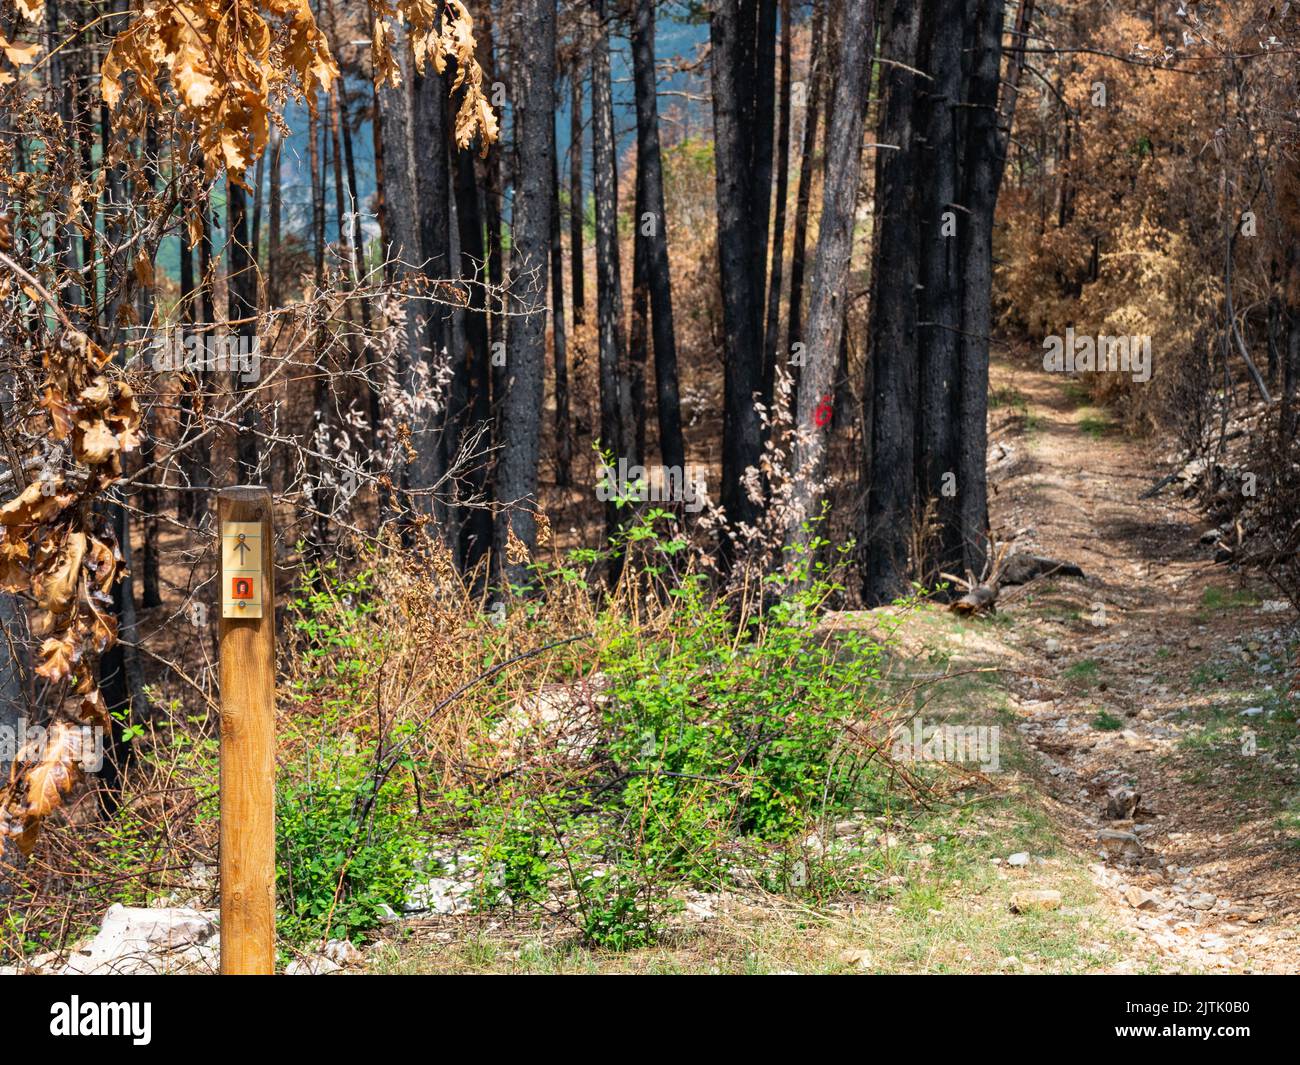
[1158, 672]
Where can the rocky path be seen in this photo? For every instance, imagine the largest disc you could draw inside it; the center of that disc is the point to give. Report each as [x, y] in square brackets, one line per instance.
[1156, 691]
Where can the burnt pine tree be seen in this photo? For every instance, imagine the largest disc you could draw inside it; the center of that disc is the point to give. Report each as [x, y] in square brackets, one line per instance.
[188, 420]
[931, 313]
[563, 426]
[617, 436]
[659, 280]
[472, 392]
[782, 191]
[322, 391]
[429, 136]
[241, 285]
[639, 340]
[938, 293]
[985, 153]
[533, 85]
[891, 334]
[763, 157]
[803, 198]
[199, 454]
[577, 198]
[741, 183]
[493, 182]
[401, 212]
[830, 271]
[150, 488]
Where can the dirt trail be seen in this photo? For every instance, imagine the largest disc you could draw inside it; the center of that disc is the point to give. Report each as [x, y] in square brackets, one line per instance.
[1160, 672]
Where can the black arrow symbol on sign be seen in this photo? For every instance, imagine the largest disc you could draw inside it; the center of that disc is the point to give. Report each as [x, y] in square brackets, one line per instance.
[243, 549]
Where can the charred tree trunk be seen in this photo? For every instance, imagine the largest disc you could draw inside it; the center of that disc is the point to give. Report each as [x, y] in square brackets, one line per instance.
[274, 268]
[733, 31]
[830, 273]
[534, 116]
[493, 186]
[639, 341]
[429, 131]
[942, 220]
[577, 201]
[803, 200]
[764, 88]
[121, 678]
[892, 332]
[322, 383]
[985, 157]
[241, 284]
[150, 492]
[778, 224]
[616, 433]
[198, 456]
[559, 338]
[401, 208]
[659, 279]
[474, 404]
[188, 421]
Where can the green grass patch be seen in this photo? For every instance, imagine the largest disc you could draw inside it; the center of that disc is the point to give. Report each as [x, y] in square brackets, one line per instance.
[1083, 674]
[1096, 425]
[1215, 598]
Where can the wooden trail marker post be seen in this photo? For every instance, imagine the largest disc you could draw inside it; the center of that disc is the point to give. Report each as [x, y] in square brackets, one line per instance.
[247, 638]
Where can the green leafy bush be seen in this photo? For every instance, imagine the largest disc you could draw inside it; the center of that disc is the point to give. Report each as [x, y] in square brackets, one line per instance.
[334, 870]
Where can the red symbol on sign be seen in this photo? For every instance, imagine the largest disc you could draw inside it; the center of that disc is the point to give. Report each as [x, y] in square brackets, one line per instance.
[824, 411]
[241, 588]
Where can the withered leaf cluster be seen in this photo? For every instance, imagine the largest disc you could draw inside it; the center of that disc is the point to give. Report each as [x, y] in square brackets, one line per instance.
[226, 64]
[60, 555]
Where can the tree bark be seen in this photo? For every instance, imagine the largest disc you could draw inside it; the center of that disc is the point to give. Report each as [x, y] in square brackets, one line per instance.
[830, 272]
[764, 110]
[659, 279]
[985, 157]
[892, 332]
[639, 341]
[472, 408]
[939, 292]
[274, 268]
[732, 29]
[534, 119]
[397, 115]
[199, 454]
[121, 677]
[322, 382]
[493, 186]
[241, 284]
[150, 492]
[803, 200]
[577, 200]
[778, 224]
[559, 338]
[429, 132]
[616, 432]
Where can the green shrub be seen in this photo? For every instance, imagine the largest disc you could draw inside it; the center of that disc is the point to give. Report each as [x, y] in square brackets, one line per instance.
[334, 871]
